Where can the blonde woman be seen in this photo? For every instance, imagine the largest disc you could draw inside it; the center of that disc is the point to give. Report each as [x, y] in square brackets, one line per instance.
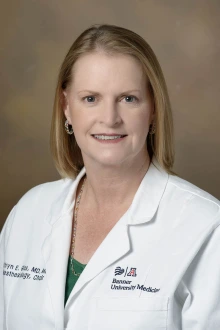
[120, 241]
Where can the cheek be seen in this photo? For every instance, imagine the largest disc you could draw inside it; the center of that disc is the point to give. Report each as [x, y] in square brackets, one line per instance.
[140, 123]
[76, 115]
[140, 129]
[82, 121]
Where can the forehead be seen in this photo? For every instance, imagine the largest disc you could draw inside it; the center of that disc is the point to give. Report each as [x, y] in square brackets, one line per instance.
[104, 70]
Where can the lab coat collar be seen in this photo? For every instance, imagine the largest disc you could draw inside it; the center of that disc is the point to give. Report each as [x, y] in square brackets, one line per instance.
[143, 207]
[148, 196]
[64, 203]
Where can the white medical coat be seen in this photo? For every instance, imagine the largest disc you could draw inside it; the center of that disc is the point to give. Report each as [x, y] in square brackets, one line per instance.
[158, 268]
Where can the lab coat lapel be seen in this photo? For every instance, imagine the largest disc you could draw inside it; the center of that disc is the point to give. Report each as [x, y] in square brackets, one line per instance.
[56, 246]
[55, 251]
[115, 245]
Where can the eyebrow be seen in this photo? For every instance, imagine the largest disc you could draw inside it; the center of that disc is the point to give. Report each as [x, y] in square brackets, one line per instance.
[96, 93]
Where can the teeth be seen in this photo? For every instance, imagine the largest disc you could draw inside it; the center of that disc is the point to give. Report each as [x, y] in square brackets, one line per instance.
[107, 137]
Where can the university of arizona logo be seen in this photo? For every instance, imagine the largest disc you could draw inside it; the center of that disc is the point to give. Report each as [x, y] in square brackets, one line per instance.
[131, 272]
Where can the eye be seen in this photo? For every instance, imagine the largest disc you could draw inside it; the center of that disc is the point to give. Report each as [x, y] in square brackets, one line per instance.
[127, 97]
[89, 97]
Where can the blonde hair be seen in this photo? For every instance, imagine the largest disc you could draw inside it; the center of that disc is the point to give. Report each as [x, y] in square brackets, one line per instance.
[112, 40]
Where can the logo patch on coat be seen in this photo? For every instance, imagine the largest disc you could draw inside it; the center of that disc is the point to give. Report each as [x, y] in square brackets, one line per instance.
[119, 271]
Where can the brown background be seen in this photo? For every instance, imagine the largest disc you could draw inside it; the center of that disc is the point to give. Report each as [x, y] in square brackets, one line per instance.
[35, 36]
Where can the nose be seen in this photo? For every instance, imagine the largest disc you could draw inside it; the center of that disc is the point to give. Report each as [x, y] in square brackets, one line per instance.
[110, 114]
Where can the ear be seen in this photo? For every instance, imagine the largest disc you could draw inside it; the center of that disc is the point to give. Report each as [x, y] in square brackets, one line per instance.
[152, 101]
[65, 106]
[153, 114]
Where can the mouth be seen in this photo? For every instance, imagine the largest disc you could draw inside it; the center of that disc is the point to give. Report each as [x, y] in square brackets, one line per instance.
[104, 136]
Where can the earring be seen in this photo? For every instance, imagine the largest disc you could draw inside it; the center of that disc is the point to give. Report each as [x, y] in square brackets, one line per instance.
[68, 128]
[152, 129]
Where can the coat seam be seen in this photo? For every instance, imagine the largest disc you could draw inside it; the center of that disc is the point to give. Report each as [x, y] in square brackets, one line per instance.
[196, 194]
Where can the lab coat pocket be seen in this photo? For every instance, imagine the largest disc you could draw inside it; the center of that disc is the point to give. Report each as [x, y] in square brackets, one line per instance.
[123, 313]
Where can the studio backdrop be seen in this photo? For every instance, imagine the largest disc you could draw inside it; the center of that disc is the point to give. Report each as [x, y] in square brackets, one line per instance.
[35, 36]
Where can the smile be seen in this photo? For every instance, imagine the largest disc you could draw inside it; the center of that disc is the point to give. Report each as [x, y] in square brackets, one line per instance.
[108, 137]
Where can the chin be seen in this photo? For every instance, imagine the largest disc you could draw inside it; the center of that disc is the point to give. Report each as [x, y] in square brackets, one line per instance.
[110, 163]
[107, 159]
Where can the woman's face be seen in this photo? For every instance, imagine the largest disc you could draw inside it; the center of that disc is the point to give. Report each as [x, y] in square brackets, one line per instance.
[110, 109]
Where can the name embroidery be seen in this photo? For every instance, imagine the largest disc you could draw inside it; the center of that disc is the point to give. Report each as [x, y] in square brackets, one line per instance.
[23, 272]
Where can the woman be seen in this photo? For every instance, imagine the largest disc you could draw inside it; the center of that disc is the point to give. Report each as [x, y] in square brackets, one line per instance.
[139, 248]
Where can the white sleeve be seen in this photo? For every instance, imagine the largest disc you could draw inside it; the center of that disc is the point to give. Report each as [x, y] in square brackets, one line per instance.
[3, 243]
[199, 289]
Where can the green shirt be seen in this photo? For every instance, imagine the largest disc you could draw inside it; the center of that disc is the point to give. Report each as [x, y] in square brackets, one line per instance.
[71, 279]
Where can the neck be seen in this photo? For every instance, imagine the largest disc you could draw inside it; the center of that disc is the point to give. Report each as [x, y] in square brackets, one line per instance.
[107, 187]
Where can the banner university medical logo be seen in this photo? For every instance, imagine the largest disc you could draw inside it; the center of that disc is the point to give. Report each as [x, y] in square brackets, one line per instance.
[131, 272]
[129, 284]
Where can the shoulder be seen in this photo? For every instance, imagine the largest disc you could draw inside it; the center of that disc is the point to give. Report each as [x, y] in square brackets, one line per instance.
[45, 193]
[194, 198]
[41, 197]
[187, 187]
[37, 202]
